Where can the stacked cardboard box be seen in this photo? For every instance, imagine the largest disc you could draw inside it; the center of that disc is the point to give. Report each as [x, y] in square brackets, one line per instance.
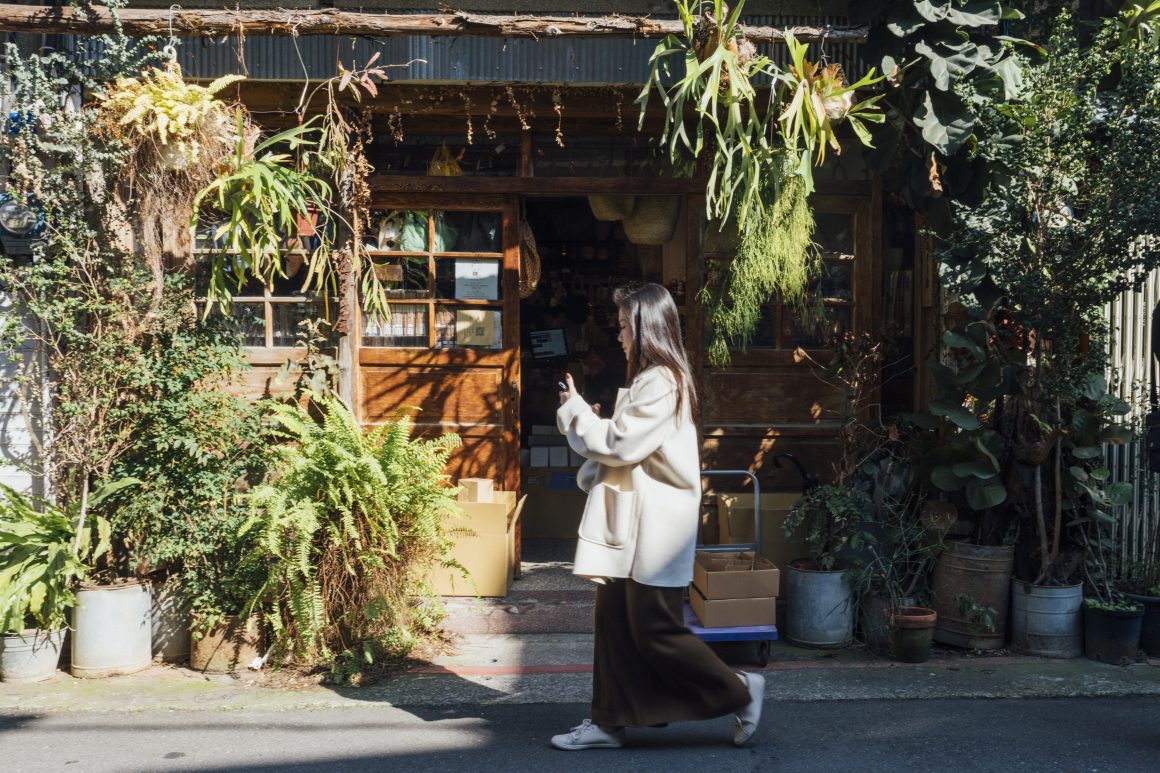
[735, 523]
[488, 552]
[734, 589]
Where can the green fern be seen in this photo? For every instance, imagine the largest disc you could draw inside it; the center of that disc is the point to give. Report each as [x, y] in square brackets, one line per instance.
[350, 521]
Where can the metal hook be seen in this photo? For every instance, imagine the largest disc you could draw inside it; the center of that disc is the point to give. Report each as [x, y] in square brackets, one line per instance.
[170, 49]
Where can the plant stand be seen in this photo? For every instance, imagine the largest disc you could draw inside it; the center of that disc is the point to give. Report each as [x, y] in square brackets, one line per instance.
[30, 656]
[1112, 635]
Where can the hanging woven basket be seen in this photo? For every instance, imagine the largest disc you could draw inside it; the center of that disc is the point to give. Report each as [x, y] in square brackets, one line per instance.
[529, 260]
[654, 220]
[611, 207]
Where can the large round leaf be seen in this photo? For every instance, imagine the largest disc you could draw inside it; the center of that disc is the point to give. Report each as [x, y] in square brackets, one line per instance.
[980, 496]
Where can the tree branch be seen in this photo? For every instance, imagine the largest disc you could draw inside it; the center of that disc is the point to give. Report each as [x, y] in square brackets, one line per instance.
[141, 22]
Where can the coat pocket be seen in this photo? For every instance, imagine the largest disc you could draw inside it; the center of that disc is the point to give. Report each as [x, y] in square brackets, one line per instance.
[610, 517]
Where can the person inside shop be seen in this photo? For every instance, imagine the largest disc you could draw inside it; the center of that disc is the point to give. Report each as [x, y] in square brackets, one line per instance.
[637, 539]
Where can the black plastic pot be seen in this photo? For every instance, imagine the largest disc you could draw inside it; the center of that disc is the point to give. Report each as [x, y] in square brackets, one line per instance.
[1112, 635]
[1150, 626]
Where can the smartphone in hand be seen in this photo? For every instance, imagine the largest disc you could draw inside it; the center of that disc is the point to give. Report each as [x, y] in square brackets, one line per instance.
[562, 385]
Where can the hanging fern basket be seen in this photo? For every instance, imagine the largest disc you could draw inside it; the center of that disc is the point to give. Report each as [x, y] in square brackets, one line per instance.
[654, 221]
[611, 207]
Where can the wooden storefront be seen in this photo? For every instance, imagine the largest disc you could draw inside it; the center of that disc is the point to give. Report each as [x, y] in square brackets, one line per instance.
[489, 389]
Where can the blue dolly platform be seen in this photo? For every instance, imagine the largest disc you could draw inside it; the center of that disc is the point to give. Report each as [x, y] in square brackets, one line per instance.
[761, 635]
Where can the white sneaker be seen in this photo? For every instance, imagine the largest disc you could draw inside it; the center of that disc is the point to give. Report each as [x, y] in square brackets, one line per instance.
[749, 716]
[587, 735]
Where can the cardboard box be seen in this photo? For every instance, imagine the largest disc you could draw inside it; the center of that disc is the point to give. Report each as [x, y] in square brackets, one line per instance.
[575, 459]
[732, 613]
[558, 456]
[554, 504]
[540, 457]
[476, 489]
[735, 524]
[488, 554]
[742, 575]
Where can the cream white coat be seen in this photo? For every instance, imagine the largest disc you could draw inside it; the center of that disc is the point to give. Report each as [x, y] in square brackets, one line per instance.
[643, 479]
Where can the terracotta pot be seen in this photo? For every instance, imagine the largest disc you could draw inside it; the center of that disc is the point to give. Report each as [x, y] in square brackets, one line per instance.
[911, 629]
[228, 646]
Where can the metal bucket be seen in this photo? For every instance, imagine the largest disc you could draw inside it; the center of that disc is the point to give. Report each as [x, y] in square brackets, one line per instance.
[983, 575]
[111, 630]
[1150, 627]
[819, 607]
[1047, 620]
[30, 656]
[170, 622]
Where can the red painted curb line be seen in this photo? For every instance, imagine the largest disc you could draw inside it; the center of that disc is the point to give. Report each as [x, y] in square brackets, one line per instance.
[586, 668]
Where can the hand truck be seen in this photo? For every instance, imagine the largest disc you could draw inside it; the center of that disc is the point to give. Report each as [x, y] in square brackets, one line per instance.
[761, 635]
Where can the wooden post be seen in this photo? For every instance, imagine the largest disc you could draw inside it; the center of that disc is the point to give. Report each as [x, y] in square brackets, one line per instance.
[527, 163]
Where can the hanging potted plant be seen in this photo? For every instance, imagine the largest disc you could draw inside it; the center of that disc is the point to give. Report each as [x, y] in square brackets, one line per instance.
[42, 558]
[761, 151]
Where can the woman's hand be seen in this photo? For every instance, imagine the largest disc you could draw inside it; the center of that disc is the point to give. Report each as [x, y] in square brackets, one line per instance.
[570, 389]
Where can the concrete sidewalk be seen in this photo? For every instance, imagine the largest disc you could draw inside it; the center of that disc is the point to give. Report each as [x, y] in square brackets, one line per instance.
[491, 669]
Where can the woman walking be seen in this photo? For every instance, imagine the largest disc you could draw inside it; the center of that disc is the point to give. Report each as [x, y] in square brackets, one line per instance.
[637, 539]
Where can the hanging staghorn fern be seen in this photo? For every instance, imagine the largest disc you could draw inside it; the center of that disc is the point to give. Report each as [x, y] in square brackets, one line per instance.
[775, 257]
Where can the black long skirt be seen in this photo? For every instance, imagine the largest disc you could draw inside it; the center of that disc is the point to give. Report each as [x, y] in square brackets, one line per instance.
[648, 668]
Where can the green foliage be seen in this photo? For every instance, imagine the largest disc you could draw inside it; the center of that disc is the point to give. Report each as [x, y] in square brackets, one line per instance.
[260, 196]
[1115, 603]
[194, 446]
[44, 552]
[774, 258]
[763, 150]
[832, 519]
[981, 618]
[347, 523]
[901, 541]
[1070, 217]
[938, 57]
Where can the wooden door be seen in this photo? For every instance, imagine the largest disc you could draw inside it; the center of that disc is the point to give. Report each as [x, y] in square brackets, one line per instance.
[451, 344]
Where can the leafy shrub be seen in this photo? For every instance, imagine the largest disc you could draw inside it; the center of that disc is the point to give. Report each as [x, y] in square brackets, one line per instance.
[348, 522]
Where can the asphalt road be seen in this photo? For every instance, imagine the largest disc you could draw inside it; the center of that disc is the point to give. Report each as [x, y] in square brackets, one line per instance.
[1078, 734]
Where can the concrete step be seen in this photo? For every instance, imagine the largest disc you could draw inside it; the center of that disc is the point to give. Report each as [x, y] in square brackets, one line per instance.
[549, 611]
[547, 598]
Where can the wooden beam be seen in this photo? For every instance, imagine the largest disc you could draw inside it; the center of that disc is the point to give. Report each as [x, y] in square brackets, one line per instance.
[139, 22]
[532, 186]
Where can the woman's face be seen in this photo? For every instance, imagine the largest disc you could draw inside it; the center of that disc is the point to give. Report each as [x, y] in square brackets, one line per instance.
[625, 335]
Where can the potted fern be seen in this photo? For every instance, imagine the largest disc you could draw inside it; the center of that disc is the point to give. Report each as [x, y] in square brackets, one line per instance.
[42, 558]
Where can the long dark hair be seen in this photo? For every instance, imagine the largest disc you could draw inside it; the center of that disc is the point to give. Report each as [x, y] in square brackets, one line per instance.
[656, 337]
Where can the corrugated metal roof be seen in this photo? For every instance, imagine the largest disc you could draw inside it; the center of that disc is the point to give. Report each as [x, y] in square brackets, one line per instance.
[448, 59]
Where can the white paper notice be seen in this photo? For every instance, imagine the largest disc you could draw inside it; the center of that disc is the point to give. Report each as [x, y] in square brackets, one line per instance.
[477, 280]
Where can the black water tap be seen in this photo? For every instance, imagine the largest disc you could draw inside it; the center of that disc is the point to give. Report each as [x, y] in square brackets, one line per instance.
[808, 480]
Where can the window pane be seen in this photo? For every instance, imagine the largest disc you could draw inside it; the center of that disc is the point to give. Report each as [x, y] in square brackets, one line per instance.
[469, 232]
[251, 319]
[468, 279]
[407, 327]
[396, 230]
[837, 280]
[403, 277]
[288, 315]
[835, 233]
[765, 336]
[812, 331]
[459, 328]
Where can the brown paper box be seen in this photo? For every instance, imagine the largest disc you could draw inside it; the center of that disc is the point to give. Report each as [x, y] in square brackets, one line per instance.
[735, 523]
[476, 489]
[488, 555]
[740, 575]
[731, 613]
[554, 504]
